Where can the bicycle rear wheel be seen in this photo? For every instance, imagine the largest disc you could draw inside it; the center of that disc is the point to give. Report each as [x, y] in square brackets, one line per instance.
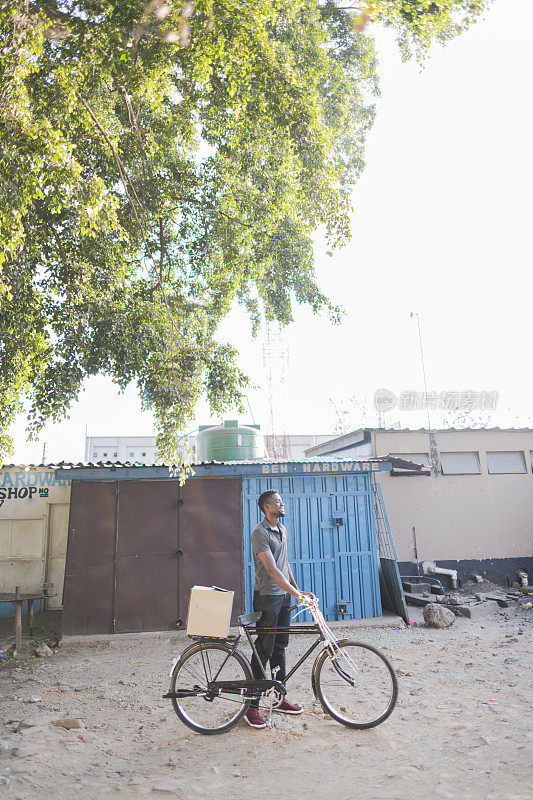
[197, 666]
[357, 686]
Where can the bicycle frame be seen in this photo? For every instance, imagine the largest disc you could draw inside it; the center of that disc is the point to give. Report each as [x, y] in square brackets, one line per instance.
[256, 686]
[291, 630]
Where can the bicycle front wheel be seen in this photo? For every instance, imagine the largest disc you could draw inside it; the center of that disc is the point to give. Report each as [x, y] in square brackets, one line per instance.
[356, 686]
[200, 664]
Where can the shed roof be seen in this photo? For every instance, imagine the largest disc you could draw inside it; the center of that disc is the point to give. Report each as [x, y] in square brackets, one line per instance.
[137, 464]
[357, 436]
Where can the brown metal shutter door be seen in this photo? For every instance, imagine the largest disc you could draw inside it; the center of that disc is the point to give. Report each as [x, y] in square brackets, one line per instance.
[89, 570]
[211, 538]
[147, 562]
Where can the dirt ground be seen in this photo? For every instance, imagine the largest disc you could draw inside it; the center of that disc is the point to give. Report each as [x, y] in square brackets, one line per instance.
[461, 727]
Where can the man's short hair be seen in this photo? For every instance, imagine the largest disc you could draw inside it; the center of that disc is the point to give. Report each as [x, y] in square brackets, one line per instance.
[264, 496]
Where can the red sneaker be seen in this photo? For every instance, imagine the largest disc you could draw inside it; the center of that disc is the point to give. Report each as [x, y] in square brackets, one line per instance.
[288, 708]
[254, 718]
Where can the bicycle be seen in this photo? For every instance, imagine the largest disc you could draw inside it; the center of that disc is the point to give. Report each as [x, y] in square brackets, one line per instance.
[212, 686]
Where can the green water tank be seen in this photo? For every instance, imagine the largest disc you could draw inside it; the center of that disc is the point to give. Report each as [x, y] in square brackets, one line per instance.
[229, 442]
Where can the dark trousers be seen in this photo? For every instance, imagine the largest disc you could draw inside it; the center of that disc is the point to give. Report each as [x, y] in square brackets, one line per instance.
[271, 646]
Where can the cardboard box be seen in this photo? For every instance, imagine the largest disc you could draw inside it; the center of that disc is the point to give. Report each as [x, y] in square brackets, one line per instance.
[209, 611]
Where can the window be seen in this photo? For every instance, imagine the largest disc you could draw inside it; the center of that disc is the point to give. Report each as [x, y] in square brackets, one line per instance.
[115, 455]
[460, 463]
[144, 454]
[132, 454]
[95, 455]
[105, 455]
[417, 458]
[500, 463]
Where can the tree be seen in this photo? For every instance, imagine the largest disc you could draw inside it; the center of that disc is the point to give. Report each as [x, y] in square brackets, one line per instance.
[418, 23]
[159, 162]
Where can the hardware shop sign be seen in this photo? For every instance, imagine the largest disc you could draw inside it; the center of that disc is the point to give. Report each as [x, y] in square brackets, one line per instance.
[314, 468]
[29, 485]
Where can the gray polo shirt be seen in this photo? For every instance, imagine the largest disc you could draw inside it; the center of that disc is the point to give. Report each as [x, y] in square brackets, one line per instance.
[266, 538]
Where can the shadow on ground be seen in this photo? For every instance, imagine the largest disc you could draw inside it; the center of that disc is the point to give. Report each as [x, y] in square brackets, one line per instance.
[47, 628]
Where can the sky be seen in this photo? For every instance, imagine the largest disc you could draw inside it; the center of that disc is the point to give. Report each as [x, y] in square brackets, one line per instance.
[441, 227]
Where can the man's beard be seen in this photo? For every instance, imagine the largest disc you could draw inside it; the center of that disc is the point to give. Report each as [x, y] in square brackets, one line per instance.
[281, 514]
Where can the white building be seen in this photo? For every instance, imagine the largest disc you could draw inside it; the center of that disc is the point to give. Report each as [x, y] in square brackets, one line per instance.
[122, 449]
[131, 448]
[471, 510]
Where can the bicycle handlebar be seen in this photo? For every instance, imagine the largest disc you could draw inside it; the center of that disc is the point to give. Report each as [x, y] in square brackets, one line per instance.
[309, 600]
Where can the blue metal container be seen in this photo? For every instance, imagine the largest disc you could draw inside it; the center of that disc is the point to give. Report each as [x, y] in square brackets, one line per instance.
[331, 540]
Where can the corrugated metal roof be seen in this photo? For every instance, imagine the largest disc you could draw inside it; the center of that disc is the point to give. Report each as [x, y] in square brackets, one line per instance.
[136, 464]
[79, 464]
[140, 464]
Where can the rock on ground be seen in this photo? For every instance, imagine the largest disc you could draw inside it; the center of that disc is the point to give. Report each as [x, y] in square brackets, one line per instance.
[43, 651]
[69, 724]
[436, 616]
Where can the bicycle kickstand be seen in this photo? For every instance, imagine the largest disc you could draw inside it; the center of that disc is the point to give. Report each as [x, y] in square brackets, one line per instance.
[271, 706]
[272, 697]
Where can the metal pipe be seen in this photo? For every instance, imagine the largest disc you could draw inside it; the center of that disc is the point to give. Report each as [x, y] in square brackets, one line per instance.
[523, 577]
[416, 552]
[431, 568]
[426, 578]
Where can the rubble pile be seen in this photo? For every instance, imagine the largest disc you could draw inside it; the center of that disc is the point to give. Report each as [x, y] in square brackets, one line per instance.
[474, 599]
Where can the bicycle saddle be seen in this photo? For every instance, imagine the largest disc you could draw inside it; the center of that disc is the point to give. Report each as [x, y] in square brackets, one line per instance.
[249, 619]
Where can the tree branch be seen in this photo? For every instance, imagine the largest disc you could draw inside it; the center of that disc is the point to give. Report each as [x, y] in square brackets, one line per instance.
[118, 161]
[214, 208]
[125, 179]
[145, 164]
[161, 249]
[42, 216]
[133, 123]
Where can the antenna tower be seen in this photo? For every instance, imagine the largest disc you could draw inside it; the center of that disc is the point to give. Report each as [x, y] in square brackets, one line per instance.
[276, 362]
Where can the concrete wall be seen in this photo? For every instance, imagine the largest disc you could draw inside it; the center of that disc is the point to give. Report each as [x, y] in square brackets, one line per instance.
[459, 517]
[34, 510]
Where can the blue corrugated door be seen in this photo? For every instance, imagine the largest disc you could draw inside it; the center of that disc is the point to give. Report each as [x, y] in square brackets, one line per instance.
[332, 546]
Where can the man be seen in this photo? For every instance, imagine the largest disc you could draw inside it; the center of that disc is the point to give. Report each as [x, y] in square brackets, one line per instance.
[274, 585]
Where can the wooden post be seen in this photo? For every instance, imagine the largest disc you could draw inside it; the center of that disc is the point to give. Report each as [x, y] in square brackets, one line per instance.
[18, 620]
[30, 616]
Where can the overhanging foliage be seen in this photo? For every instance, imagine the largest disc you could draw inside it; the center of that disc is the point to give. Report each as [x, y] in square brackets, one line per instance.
[159, 162]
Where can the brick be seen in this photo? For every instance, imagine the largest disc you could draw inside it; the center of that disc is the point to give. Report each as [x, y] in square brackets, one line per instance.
[503, 602]
[415, 588]
[418, 599]
[476, 610]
